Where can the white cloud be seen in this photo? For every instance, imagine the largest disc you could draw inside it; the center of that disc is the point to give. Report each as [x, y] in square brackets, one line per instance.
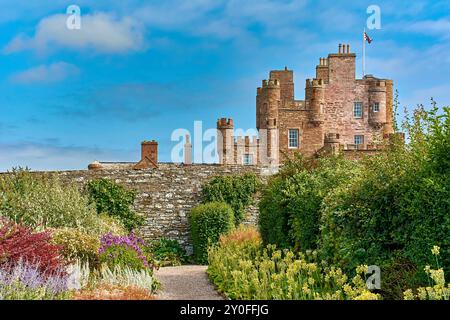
[99, 32]
[47, 156]
[55, 72]
[440, 28]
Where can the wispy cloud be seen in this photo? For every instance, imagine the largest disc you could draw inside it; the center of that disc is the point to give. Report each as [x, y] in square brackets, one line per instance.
[52, 73]
[41, 156]
[100, 32]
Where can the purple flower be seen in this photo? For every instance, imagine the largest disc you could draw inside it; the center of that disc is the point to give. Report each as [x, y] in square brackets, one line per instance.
[131, 241]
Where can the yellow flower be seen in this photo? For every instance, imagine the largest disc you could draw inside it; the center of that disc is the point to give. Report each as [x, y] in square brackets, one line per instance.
[435, 250]
[362, 269]
[408, 295]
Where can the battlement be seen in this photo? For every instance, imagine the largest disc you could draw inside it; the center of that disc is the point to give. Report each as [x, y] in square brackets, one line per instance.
[225, 123]
[247, 141]
[314, 83]
[271, 83]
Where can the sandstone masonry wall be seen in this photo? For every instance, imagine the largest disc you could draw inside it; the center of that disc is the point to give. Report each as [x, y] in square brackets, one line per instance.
[166, 195]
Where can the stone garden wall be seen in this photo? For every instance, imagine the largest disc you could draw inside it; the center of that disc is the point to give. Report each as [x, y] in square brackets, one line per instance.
[165, 195]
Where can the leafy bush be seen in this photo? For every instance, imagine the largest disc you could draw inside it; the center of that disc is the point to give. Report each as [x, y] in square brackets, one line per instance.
[113, 199]
[237, 191]
[291, 203]
[23, 281]
[124, 251]
[77, 245]
[19, 244]
[243, 269]
[208, 221]
[168, 252]
[40, 201]
[399, 206]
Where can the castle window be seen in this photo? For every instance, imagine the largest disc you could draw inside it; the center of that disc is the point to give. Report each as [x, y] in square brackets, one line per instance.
[293, 138]
[248, 159]
[376, 107]
[358, 110]
[359, 139]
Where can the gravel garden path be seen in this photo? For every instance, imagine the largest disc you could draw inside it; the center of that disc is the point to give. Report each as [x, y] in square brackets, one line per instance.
[185, 283]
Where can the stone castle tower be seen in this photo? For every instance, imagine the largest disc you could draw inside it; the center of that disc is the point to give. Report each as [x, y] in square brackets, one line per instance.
[339, 114]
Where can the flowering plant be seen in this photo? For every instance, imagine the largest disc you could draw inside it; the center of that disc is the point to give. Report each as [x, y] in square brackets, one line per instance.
[19, 243]
[25, 281]
[124, 251]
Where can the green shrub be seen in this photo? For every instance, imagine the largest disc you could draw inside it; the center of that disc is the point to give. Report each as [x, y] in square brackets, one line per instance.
[291, 203]
[398, 208]
[168, 252]
[208, 221]
[114, 200]
[237, 191]
[77, 245]
[41, 201]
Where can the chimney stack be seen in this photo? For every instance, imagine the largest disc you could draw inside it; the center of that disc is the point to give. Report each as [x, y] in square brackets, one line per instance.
[187, 151]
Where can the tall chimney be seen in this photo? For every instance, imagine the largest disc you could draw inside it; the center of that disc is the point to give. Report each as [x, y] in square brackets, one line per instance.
[340, 48]
[187, 151]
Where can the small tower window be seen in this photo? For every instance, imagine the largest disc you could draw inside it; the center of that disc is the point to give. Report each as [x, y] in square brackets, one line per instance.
[376, 107]
[358, 110]
[248, 159]
[359, 140]
[293, 138]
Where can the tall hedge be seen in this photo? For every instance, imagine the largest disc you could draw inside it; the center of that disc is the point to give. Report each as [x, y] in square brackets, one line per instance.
[208, 221]
[235, 190]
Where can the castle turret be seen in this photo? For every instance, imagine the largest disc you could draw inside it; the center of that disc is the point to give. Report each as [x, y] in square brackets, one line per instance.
[377, 102]
[268, 104]
[315, 95]
[268, 101]
[225, 140]
[331, 143]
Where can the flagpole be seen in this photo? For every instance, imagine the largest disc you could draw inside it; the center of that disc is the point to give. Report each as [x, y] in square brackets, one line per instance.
[364, 54]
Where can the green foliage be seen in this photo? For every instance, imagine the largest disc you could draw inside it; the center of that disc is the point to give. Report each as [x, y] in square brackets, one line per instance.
[114, 200]
[168, 252]
[41, 201]
[400, 206]
[237, 191]
[121, 256]
[19, 291]
[291, 203]
[77, 245]
[208, 221]
[242, 268]
[386, 209]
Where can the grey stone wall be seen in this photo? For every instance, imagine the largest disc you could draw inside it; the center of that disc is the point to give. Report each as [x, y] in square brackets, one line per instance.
[167, 194]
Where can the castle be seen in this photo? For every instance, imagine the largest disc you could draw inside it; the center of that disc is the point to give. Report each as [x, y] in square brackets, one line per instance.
[339, 114]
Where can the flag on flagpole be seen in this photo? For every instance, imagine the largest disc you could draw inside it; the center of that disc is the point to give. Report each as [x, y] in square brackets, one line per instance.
[367, 38]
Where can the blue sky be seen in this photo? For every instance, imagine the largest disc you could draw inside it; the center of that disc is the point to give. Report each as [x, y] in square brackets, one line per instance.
[140, 69]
